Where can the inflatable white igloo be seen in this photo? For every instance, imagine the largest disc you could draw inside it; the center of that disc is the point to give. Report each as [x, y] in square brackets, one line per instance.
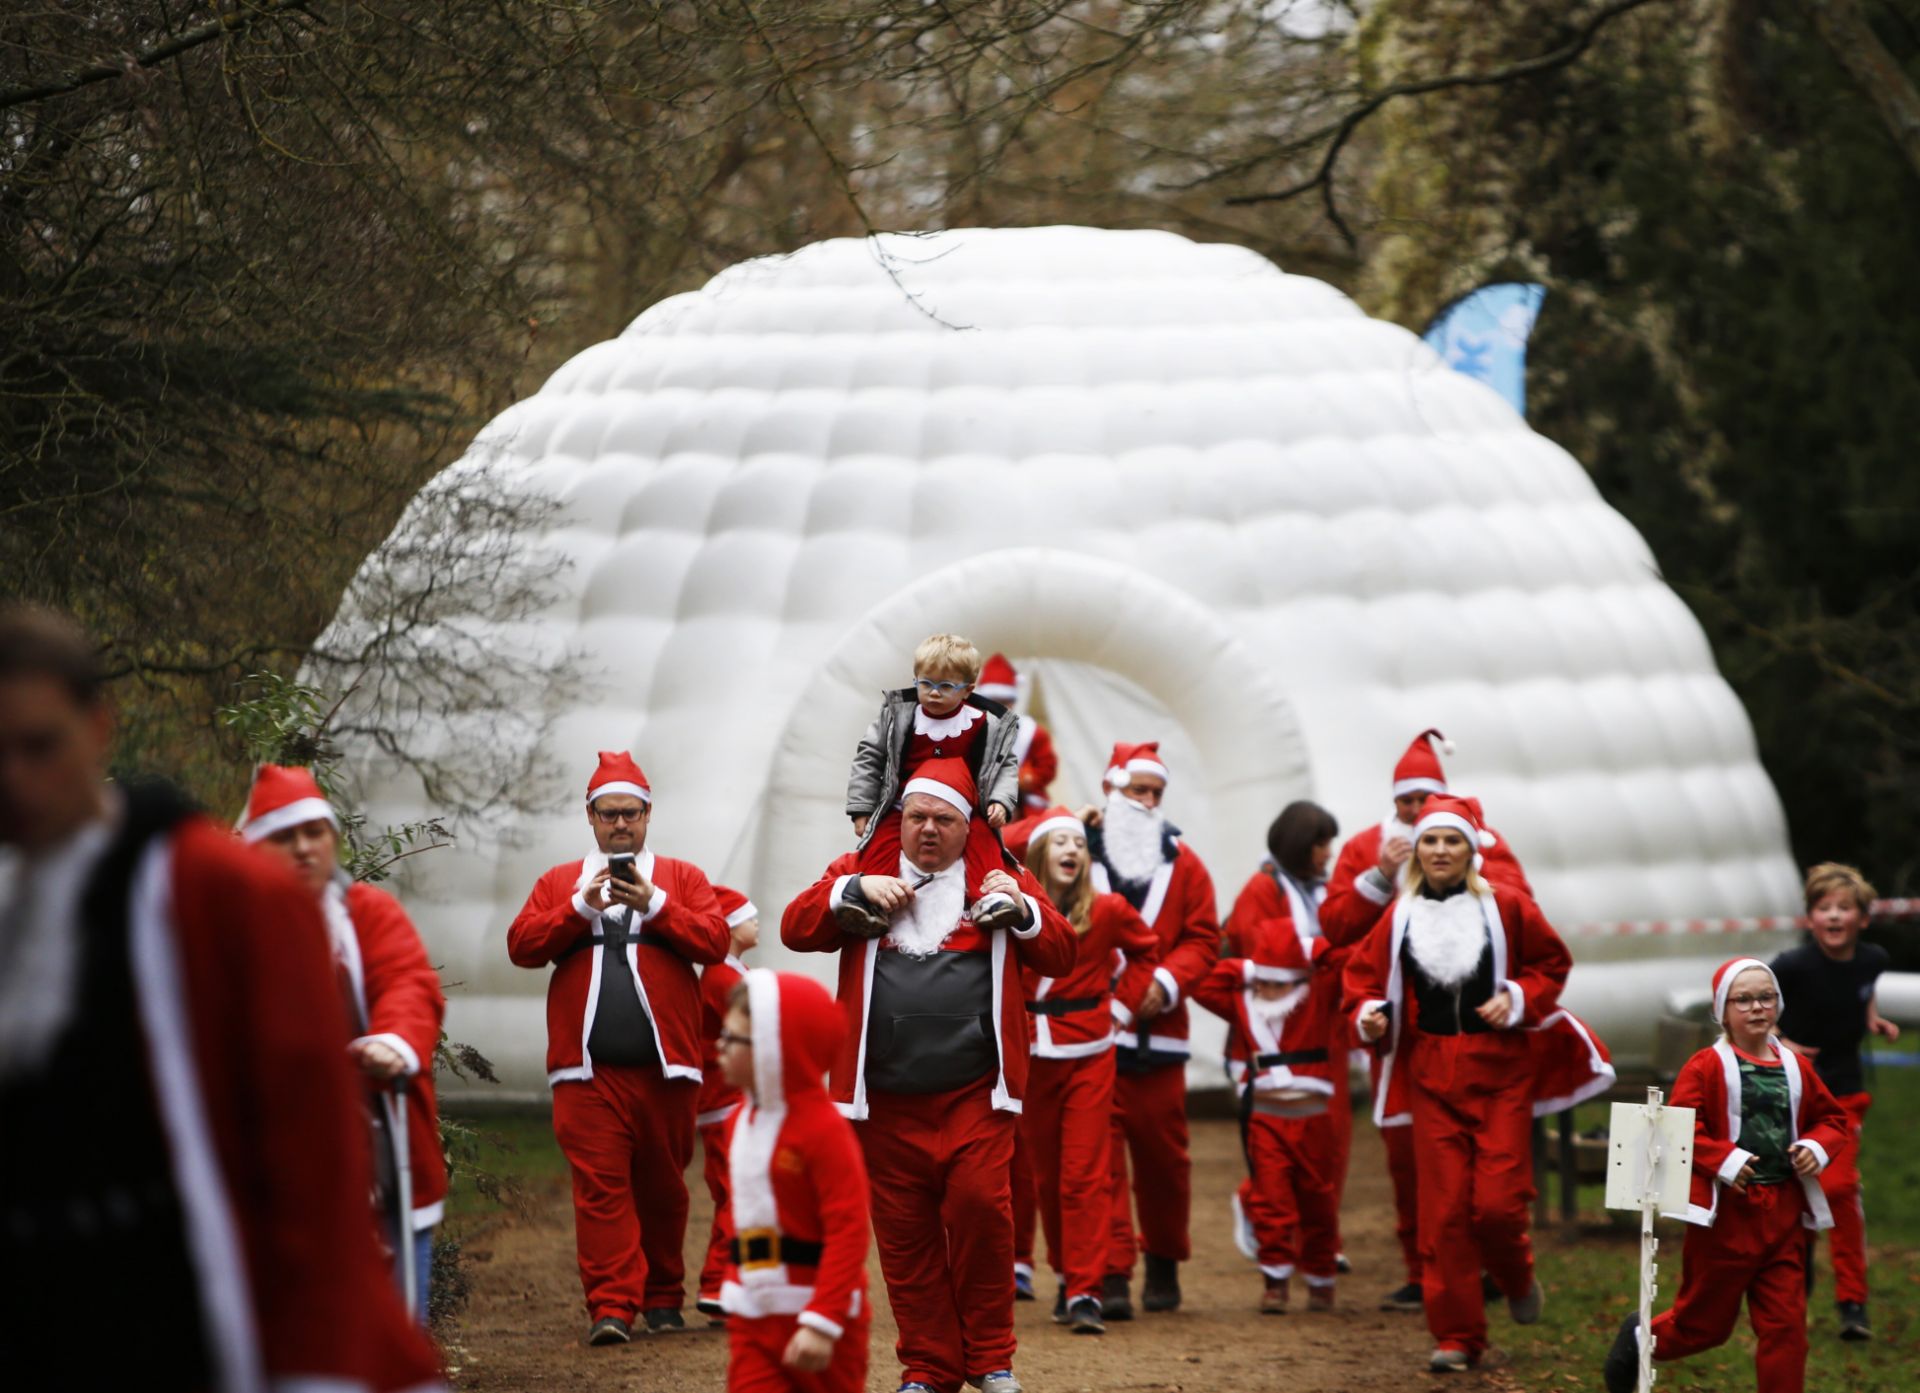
[1198, 499]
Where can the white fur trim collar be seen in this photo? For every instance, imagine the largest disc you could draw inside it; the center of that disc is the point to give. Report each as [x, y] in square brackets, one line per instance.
[946, 727]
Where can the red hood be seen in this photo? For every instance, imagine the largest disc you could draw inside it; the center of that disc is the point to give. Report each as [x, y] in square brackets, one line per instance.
[797, 1030]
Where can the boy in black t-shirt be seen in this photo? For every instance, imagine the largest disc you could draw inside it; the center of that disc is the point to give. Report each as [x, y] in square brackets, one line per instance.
[1828, 985]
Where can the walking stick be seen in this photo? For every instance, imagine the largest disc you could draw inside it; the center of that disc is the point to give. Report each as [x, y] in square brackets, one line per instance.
[396, 1104]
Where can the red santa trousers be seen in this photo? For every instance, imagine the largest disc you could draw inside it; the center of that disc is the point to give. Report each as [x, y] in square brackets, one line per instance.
[1841, 1181]
[983, 855]
[1026, 1207]
[755, 1348]
[1068, 1124]
[1150, 1121]
[1291, 1199]
[1475, 1147]
[713, 1168]
[938, 1165]
[1403, 1170]
[1756, 1249]
[627, 1134]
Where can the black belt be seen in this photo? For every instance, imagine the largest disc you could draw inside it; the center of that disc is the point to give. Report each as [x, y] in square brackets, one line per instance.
[1065, 1005]
[759, 1248]
[1288, 1058]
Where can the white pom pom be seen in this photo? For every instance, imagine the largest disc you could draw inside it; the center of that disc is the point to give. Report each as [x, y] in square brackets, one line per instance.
[1446, 746]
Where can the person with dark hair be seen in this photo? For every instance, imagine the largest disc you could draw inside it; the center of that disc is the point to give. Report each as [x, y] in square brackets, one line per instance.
[172, 1038]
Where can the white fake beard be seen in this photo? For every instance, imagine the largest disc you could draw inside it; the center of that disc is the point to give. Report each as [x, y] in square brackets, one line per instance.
[1134, 838]
[931, 915]
[1275, 1012]
[1447, 938]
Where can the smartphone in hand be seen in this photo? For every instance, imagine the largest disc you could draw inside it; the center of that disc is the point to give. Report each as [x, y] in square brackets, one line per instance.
[620, 866]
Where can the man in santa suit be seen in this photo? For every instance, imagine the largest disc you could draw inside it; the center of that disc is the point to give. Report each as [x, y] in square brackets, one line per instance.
[1032, 746]
[172, 1043]
[623, 929]
[932, 1072]
[393, 998]
[1138, 854]
[719, 1100]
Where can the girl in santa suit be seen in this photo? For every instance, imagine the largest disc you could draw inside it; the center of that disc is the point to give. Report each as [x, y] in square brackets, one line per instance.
[1068, 1120]
[796, 1289]
[718, 1097]
[1764, 1127]
[1445, 983]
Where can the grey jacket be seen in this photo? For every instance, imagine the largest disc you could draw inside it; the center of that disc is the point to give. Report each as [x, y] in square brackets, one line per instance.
[874, 784]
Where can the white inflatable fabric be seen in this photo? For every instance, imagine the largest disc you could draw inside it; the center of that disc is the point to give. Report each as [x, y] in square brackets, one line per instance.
[1208, 502]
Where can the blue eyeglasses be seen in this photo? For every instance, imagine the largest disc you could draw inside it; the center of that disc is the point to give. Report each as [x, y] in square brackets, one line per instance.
[927, 684]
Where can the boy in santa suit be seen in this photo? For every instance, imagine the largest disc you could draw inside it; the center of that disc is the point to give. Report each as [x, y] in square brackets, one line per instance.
[1033, 746]
[940, 718]
[796, 1283]
[1068, 1120]
[1138, 855]
[1278, 1001]
[623, 929]
[393, 997]
[1764, 1128]
[718, 1097]
[1445, 985]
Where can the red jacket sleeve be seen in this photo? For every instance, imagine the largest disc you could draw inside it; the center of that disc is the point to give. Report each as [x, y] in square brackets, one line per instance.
[1822, 1120]
[690, 919]
[404, 1000]
[1132, 935]
[1352, 906]
[1365, 977]
[807, 924]
[1054, 949]
[1691, 1090]
[839, 1175]
[1503, 867]
[1541, 974]
[549, 923]
[1220, 988]
[1197, 948]
[1042, 766]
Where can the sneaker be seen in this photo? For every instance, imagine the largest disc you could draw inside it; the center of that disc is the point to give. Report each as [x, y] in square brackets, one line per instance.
[1161, 1289]
[1116, 1297]
[1621, 1372]
[916, 1387]
[1525, 1310]
[1407, 1298]
[710, 1307]
[1447, 1359]
[994, 912]
[1341, 1265]
[610, 1330]
[1853, 1321]
[861, 919]
[1319, 1296]
[1273, 1297]
[1022, 1285]
[999, 1381]
[664, 1320]
[1060, 1307]
[1083, 1316]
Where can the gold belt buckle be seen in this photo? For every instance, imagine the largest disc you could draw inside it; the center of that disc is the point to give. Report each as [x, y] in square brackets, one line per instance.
[759, 1249]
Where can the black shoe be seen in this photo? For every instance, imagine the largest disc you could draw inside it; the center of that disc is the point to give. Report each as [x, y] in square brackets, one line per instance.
[609, 1330]
[1341, 1265]
[1060, 1307]
[861, 919]
[1116, 1301]
[1853, 1321]
[1083, 1317]
[1490, 1289]
[710, 1307]
[664, 1320]
[1622, 1369]
[1161, 1290]
[1407, 1298]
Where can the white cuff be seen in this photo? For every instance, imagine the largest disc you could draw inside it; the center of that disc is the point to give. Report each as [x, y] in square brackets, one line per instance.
[1374, 886]
[813, 1320]
[403, 1049]
[1730, 1168]
[840, 890]
[1518, 1011]
[1033, 918]
[583, 909]
[1366, 1006]
[655, 905]
[1819, 1152]
[1171, 987]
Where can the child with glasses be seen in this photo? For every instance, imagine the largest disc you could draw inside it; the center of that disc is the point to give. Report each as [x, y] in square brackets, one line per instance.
[1830, 982]
[940, 717]
[1764, 1129]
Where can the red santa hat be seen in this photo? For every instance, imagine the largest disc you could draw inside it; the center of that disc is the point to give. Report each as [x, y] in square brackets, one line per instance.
[283, 796]
[797, 1029]
[1055, 819]
[1281, 955]
[1461, 814]
[949, 780]
[1419, 768]
[736, 906]
[998, 681]
[1128, 760]
[1723, 983]
[618, 773]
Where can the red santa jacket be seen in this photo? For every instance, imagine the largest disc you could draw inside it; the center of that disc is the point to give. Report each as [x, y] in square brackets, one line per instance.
[397, 993]
[558, 926]
[1354, 898]
[1047, 947]
[718, 1098]
[247, 1048]
[1184, 915]
[1709, 1083]
[799, 1183]
[1072, 1016]
[1294, 1060]
[1039, 765]
[1528, 958]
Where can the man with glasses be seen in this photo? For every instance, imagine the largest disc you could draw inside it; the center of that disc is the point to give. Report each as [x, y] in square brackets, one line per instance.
[622, 929]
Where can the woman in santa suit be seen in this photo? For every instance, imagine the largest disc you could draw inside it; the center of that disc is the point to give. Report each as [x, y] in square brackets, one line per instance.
[1445, 984]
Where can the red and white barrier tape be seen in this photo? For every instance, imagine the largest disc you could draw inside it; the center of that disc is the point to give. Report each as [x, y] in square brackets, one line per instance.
[1767, 923]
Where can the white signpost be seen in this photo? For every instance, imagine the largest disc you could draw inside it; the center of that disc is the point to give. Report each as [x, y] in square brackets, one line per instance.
[1649, 1168]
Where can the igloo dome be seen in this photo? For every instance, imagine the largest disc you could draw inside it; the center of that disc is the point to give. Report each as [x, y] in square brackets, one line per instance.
[1197, 499]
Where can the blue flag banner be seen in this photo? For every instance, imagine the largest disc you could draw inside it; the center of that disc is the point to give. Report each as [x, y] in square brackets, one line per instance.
[1484, 335]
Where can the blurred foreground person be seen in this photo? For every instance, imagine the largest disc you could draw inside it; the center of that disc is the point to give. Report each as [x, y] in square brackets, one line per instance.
[172, 1049]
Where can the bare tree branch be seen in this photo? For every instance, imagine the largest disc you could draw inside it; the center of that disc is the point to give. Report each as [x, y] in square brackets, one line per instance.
[1874, 71]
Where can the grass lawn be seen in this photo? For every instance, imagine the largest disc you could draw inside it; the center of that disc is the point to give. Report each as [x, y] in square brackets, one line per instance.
[1590, 1280]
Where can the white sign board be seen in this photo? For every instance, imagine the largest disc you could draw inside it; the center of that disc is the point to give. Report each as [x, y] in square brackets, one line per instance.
[1628, 1134]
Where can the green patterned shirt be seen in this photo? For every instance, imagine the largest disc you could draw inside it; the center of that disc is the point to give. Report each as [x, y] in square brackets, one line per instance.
[1766, 1119]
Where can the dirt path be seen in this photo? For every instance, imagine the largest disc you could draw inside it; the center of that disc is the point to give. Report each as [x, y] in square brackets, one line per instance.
[524, 1326]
